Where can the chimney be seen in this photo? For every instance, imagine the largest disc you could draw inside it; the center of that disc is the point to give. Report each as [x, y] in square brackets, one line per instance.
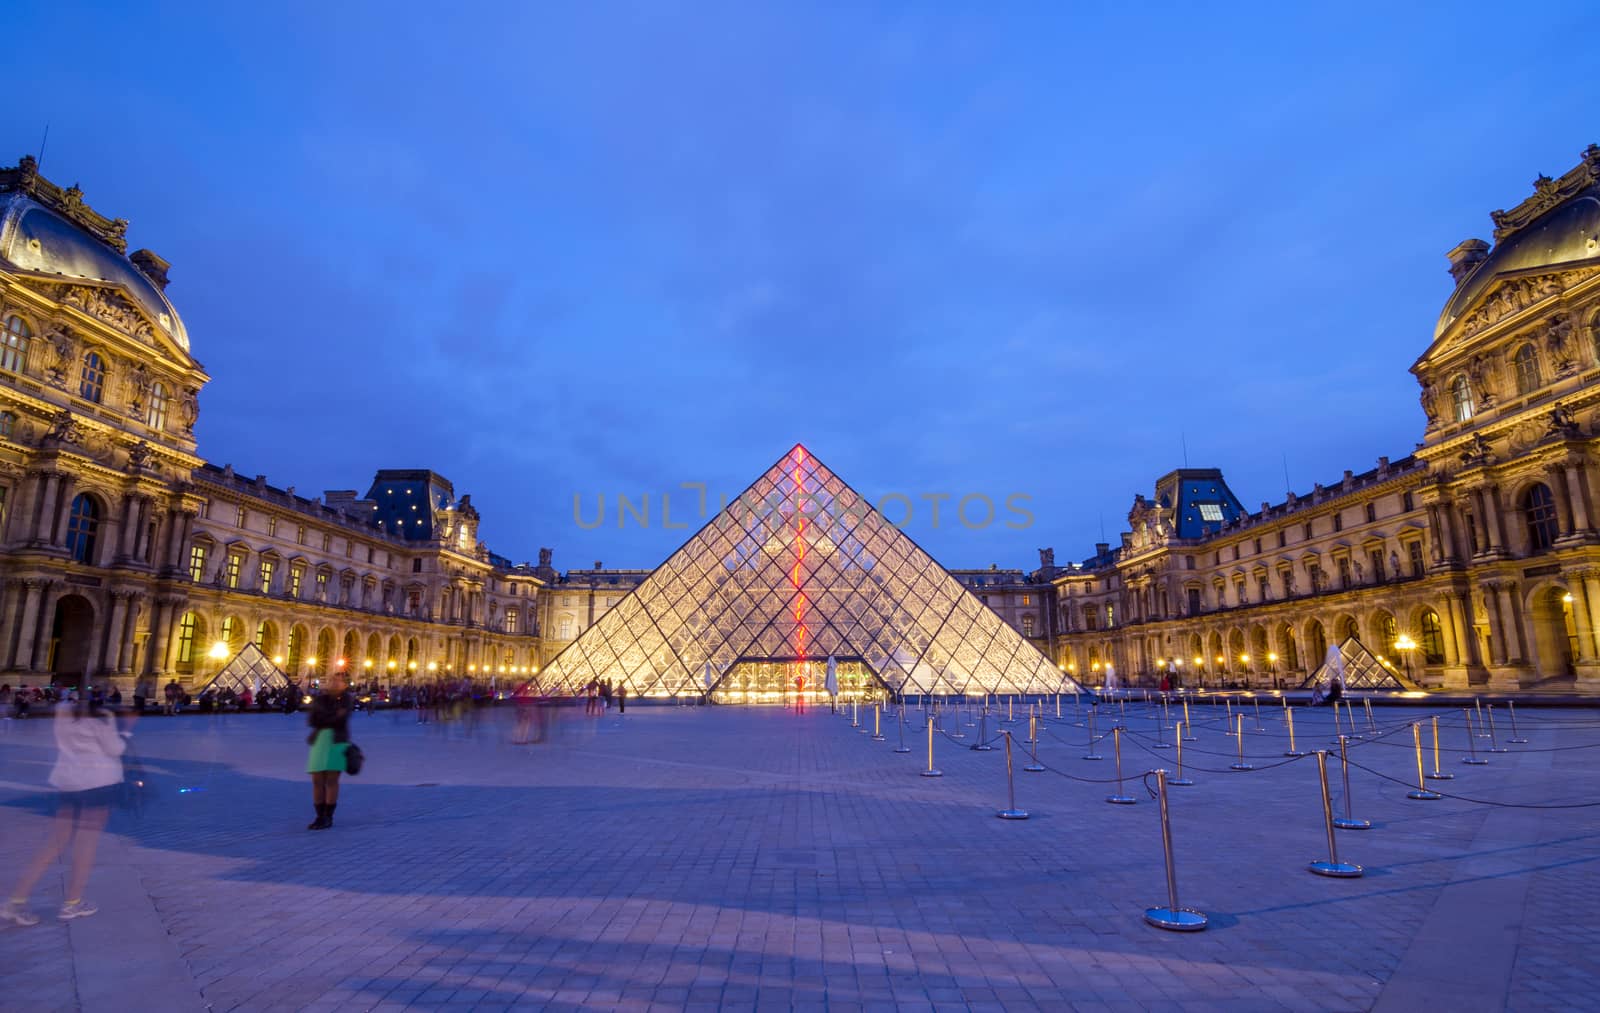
[1466, 257]
[153, 267]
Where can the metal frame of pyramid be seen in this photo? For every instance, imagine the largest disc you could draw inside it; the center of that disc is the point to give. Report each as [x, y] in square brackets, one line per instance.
[1362, 670]
[800, 565]
[249, 669]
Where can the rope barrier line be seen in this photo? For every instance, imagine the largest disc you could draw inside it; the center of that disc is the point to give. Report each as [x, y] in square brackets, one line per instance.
[1482, 801]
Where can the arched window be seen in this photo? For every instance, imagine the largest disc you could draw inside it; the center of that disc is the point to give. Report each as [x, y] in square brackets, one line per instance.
[186, 638]
[14, 344]
[1526, 365]
[155, 415]
[1539, 509]
[1461, 398]
[1432, 639]
[82, 525]
[92, 385]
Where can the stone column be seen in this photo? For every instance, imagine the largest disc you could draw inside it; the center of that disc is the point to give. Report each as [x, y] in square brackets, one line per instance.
[155, 659]
[1491, 518]
[1516, 648]
[1581, 617]
[140, 551]
[1447, 533]
[47, 611]
[28, 626]
[113, 641]
[50, 485]
[1556, 478]
[1575, 491]
[130, 626]
[1466, 643]
[63, 510]
[1497, 639]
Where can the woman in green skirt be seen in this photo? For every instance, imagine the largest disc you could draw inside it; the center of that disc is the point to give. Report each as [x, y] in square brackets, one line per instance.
[330, 737]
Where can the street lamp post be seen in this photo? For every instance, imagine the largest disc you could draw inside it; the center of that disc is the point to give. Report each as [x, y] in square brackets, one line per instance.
[1405, 645]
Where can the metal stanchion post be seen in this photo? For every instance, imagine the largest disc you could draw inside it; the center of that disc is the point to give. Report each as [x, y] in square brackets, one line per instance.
[1058, 706]
[1516, 739]
[1172, 917]
[1422, 792]
[1180, 780]
[1161, 735]
[1119, 798]
[1332, 867]
[1033, 723]
[1288, 717]
[957, 733]
[1091, 754]
[1494, 745]
[1011, 812]
[1122, 711]
[1035, 767]
[1347, 821]
[1228, 728]
[1477, 707]
[1472, 742]
[1258, 715]
[1350, 715]
[1372, 726]
[932, 771]
[1438, 775]
[1188, 725]
[877, 722]
[1241, 765]
[1011, 716]
[982, 745]
[900, 714]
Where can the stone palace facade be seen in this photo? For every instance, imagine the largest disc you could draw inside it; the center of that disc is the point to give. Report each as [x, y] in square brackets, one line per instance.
[1472, 561]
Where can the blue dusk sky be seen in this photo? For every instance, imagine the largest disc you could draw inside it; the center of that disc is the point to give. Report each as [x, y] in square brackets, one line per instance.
[556, 250]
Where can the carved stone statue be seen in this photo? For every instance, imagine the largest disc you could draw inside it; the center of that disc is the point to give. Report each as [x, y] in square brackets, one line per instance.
[1562, 422]
[138, 456]
[189, 410]
[1047, 557]
[64, 428]
[1394, 565]
[1356, 566]
[1430, 402]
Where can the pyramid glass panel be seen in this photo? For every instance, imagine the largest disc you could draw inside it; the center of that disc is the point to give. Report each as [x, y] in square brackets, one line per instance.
[795, 572]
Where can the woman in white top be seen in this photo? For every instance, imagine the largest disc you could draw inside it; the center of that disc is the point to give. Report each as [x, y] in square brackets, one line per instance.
[88, 776]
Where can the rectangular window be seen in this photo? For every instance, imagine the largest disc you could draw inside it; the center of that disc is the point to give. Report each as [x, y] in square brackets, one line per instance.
[1210, 511]
[1372, 512]
[370, 554]
[1027, 599]
[1414, 550]
[197, 563]
[1111, 616]
[1344, 573]
[1194, 601]
[1239, 593]
[349, 549]
[1338, 522]
[511, 620]
[1265, 587]
[240, 516]
[1258, 546]
[416, 566]
[300, 534]
[327, 542]
[235, 563]
[186, 638]
[1308, 531]
[1314, 571]
[1407, 503]
[266, 576]
[1027, 626]
[414, 602]
[1378, 575]
[322, 584]
[272, 527]
[296, 574]
[1283, 538]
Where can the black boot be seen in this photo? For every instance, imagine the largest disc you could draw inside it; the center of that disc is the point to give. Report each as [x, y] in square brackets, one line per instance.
[318, 824]
[327, 815]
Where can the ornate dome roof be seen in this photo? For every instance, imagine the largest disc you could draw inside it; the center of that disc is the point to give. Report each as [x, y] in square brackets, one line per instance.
[74, 243]
[1557, 226]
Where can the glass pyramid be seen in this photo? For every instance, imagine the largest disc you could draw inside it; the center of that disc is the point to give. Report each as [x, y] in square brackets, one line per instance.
[800, 569]
[1362, 670]
[250, 669]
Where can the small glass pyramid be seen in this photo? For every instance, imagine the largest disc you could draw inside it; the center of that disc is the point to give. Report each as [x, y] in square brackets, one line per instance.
[797, 578]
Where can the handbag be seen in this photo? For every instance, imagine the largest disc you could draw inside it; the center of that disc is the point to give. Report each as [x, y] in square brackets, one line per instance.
[354, 759]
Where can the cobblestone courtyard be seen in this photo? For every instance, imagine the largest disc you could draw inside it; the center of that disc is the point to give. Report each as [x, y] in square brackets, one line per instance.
[729, 858]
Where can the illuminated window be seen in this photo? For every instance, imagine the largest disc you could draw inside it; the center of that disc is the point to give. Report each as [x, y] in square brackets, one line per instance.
[414, 602]
[300, 534]
[511, 620]
[296, 575]
[14, 345]
[1461, 398]
[1027, 626]
[1414, 550]
[197, 563]
[1111, 616]
[228, 630]
[261, 635]
[235, 564]
[266, 576]
[1210, 511]
[155, 414]
[1432, 639]
[186, 638]
[240, 515]
[327, 542]
[272, 527]
[92, 379]
[82, 525]
[1526, 365]
[1539, 508]
[1027, 599]
[564, 628]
